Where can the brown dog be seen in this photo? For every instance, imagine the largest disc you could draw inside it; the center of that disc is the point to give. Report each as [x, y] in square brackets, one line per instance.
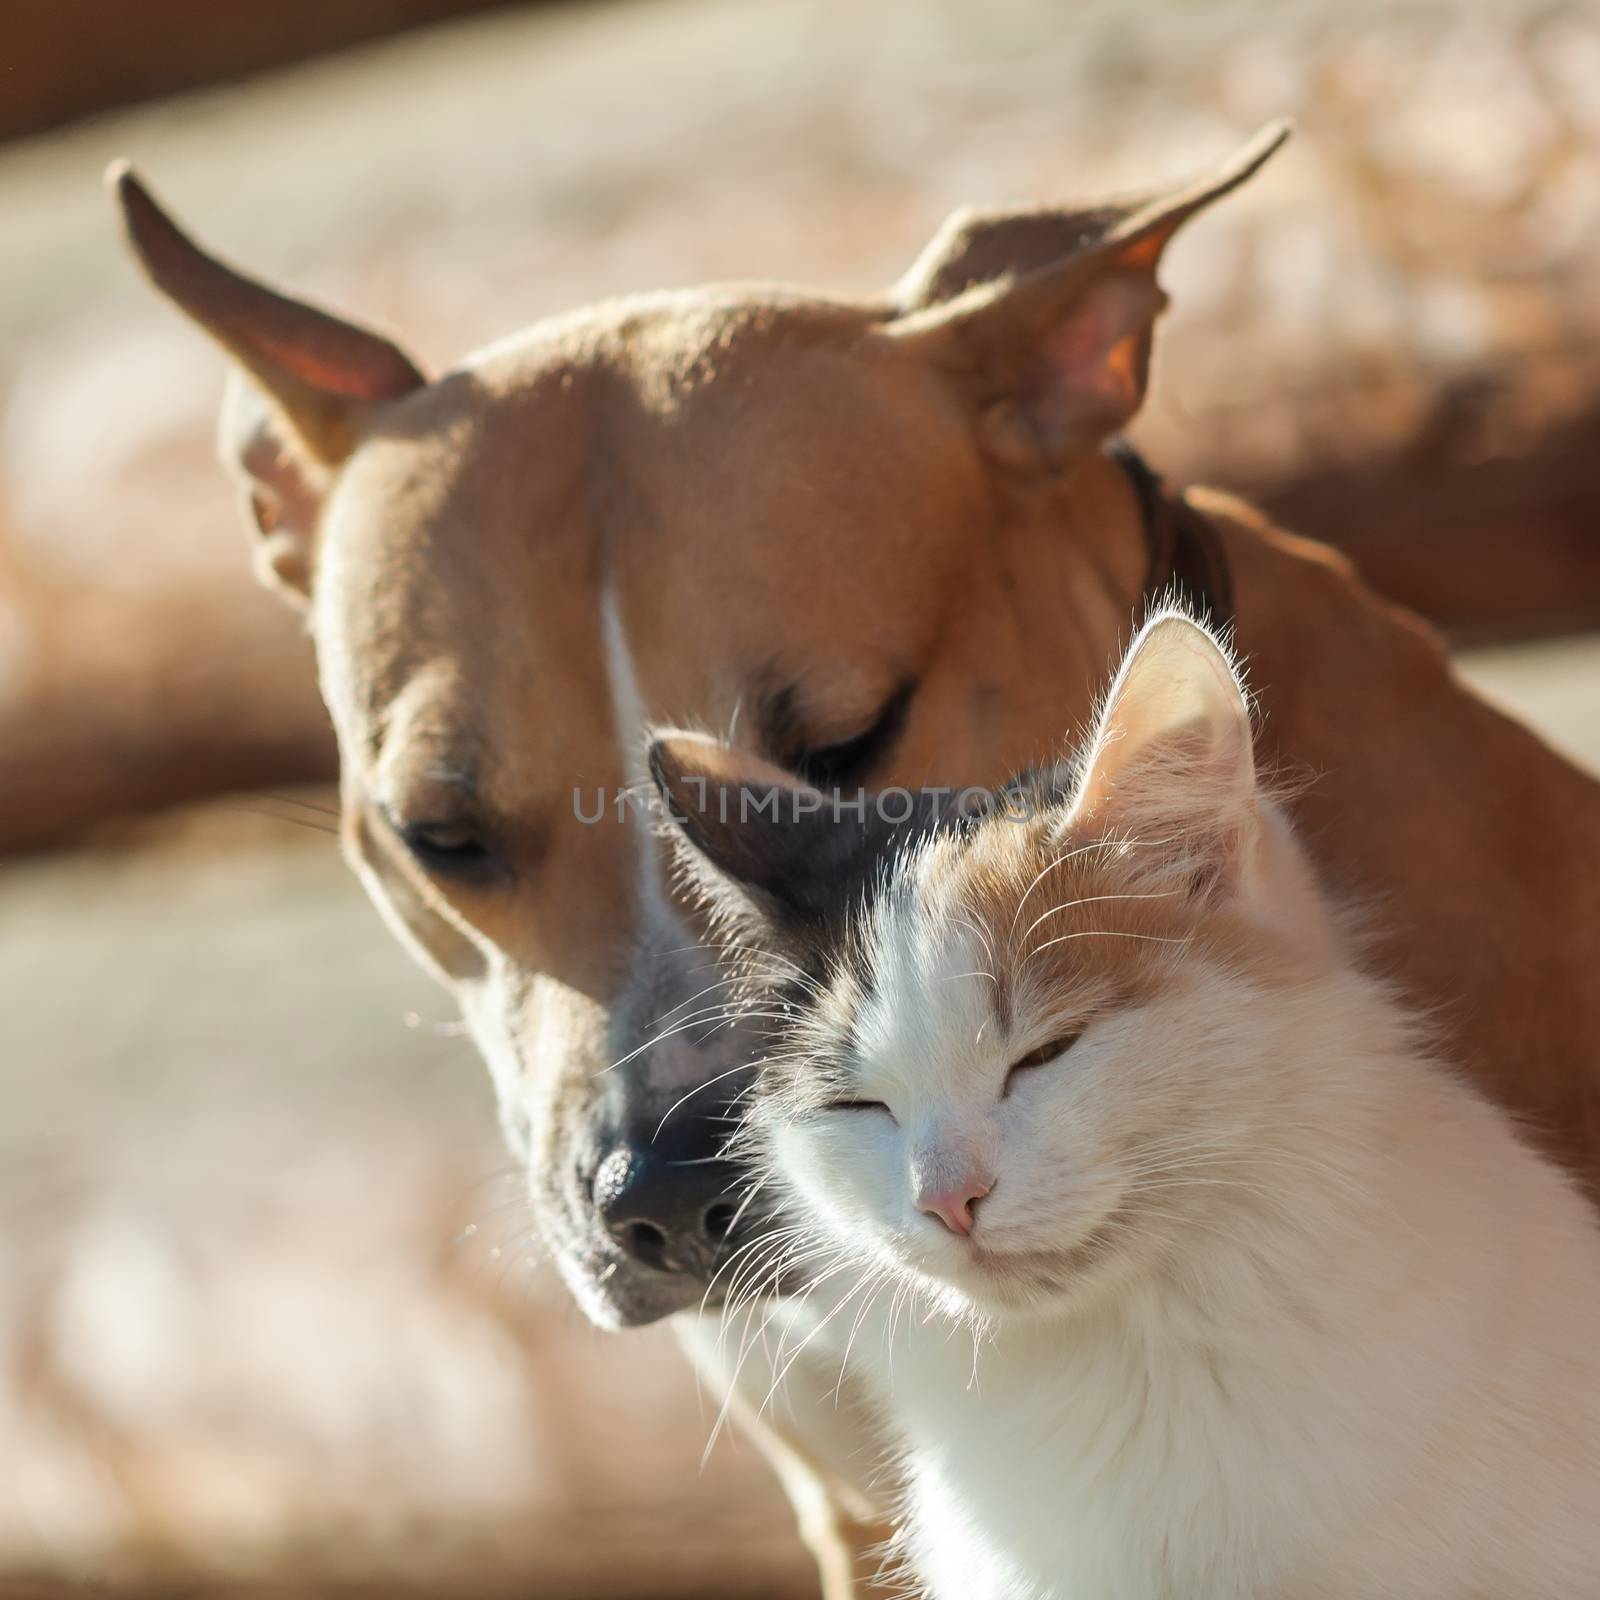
[877, 542]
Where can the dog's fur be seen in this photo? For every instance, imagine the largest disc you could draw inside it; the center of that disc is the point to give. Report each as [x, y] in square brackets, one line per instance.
[769, 513]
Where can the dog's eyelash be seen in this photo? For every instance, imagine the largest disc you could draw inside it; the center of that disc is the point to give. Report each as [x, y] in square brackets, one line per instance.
[848, 760]
[451, 849]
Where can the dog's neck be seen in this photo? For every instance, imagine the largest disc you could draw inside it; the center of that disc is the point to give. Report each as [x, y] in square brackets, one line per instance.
[1138, 532]
[1479, 845]
[1185, 556]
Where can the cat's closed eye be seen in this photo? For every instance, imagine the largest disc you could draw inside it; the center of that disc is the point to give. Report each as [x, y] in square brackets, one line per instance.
[848, 1103]
[1042, 1057]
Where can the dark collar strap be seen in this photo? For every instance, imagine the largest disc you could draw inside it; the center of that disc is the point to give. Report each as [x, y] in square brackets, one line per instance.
[1186, 556]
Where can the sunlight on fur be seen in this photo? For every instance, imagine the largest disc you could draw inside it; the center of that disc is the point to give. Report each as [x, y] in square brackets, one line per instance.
[1177, 1264]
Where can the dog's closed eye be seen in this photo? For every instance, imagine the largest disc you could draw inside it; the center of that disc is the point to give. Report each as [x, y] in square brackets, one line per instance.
[452, 847]
[837, 763]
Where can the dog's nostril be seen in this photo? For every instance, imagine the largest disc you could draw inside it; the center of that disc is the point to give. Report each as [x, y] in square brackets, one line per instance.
[667, 1210]
[646, 1242]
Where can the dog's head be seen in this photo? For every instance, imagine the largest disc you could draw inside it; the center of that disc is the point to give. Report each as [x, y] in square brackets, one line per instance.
[872, 541]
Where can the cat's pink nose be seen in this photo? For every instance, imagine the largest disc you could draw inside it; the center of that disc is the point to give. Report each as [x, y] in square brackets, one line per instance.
[953, 1205]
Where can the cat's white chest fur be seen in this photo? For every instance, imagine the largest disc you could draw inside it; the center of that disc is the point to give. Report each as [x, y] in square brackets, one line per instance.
[1053, 1463]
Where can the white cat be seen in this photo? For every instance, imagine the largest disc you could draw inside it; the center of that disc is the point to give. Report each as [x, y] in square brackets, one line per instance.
[1179, 1266]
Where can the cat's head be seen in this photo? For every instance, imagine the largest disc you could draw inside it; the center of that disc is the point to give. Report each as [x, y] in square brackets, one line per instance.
[1017, 1055]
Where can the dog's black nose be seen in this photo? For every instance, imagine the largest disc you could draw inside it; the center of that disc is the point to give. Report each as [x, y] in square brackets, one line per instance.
[667, 1210]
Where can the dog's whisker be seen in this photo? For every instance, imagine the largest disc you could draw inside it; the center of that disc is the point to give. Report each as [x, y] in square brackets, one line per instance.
[297, 801]
[329, 830]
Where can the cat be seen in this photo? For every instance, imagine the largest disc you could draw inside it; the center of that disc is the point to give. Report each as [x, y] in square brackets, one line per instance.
[1178, 1265]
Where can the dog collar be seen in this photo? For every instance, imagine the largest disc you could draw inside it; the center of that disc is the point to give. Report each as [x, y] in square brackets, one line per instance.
[1186, 557]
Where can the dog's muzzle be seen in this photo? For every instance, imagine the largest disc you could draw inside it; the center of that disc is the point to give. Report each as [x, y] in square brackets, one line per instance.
[654, 1207]
[656, 1214]
[668, 1203]
[650, 1210]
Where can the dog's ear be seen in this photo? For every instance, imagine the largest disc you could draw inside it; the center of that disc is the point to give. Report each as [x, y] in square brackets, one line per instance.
[770, 853]
[313, 380]
[1053, 350]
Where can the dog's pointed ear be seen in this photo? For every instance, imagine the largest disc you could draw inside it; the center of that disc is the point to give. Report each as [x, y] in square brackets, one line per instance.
[317, 378]
[1053, 350]
[1171, 764]
[762, 845]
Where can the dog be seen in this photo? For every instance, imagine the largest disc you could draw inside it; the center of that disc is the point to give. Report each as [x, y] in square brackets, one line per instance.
[881, 542]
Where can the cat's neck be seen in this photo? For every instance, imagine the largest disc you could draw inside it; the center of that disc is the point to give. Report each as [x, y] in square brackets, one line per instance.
[1476, 846]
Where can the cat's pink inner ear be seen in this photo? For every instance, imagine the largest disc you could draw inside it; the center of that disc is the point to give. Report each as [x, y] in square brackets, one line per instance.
[1173, 742]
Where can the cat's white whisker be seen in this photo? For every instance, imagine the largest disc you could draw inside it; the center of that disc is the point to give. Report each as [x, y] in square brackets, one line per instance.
[882, 1281]
[1092, 900]
[810, 1338]
[1045, 871]
[706, 1018]
[1104, 933]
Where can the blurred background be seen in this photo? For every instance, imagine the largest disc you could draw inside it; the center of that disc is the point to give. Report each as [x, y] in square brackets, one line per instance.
[271, 1317]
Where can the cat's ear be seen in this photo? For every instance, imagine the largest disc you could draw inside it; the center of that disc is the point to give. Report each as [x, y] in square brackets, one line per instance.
[1171, 765]
[761, 844]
